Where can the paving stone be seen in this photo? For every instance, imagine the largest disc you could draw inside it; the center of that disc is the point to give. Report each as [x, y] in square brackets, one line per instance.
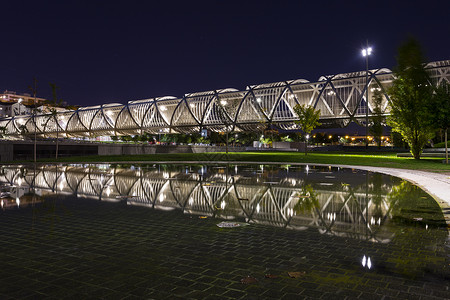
[167, 255]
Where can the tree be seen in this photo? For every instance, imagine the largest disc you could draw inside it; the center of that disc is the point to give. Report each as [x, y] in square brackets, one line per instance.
[440, 108]
[55, 102]
[33, 90]
[23, 130]
[2, 131]
[377, 118]
[410, 95]
[308, 119]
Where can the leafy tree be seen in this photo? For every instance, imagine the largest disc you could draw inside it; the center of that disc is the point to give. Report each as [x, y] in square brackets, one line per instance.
[440, 108]
[377, 118]
[2, 131]
[125, 138]
[286, 138]
[23, 129]
[410, 94]
[397, 140]
[308, 119]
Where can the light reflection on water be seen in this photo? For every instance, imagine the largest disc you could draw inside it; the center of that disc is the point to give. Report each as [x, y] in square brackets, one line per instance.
[336, 201]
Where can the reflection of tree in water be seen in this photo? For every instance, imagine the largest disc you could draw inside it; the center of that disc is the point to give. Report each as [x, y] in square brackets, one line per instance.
[410, 204]
[308, 201]
[376, 189]
[423, 247]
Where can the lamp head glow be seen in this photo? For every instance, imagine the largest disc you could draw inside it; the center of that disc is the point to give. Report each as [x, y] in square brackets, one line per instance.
[367, 51]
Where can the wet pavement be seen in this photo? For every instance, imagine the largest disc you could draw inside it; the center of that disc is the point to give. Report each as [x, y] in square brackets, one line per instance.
[80, 248]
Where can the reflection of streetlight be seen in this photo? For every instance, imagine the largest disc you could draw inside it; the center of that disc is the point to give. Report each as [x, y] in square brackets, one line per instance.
[365, 53]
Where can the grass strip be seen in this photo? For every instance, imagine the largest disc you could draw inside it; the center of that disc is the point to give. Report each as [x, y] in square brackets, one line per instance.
[375, 159]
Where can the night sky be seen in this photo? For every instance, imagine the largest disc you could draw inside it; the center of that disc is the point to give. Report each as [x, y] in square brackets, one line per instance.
[114, 51]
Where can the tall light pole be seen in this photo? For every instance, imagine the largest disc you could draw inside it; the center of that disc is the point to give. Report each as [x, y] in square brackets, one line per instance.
[365, 53]
[19, 101]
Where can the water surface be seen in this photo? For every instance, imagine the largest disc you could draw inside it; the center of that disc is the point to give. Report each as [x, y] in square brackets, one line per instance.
[336, 225]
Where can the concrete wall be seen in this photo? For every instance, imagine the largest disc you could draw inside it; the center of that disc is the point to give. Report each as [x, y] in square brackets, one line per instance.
[124, 149]
[24, 150]
[300, 146]
[129, 149]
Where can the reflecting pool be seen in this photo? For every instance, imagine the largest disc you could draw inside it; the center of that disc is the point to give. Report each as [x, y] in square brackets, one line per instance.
[334, 225]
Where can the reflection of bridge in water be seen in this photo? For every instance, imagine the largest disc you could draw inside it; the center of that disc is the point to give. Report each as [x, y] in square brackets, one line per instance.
[341, 98]
[345, 202]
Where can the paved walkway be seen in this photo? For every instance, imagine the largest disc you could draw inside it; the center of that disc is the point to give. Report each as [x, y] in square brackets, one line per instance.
[78, 248]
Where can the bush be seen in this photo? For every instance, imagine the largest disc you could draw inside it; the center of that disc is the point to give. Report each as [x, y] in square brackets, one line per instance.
[441, 145]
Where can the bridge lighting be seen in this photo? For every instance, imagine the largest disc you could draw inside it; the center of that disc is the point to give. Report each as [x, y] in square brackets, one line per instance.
[223, 102]
[245, 118]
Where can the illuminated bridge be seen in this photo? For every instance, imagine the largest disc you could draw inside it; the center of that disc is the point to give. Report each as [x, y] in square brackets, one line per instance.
[341, 99]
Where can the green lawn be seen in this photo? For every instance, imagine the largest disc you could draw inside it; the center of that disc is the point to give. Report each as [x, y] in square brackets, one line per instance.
[362, 159]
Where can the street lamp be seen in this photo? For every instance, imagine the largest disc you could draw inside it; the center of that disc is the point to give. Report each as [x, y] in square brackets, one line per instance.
[366, 52]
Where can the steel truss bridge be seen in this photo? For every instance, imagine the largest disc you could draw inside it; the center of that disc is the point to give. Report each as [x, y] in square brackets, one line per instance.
[355, 210]
[341, 99]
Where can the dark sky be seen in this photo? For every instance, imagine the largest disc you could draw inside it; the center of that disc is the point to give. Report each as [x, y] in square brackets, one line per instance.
[114, 51]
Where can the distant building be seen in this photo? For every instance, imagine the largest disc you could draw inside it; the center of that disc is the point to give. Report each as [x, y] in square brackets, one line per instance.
[25, 99]
[14, 104]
